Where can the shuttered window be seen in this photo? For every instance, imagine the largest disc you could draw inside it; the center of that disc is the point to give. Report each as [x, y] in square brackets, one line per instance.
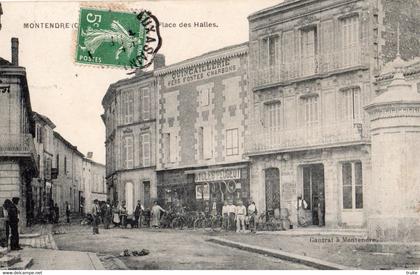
[145, 103]
[127, 152]
[350, 104]
[269, 51]
[232, 142]
[272, 115]
[308, 51]
[128, 106]
[145, 141]
[350, 41]
[310, 111]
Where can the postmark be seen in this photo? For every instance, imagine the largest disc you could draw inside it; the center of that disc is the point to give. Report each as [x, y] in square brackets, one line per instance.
[117, 38]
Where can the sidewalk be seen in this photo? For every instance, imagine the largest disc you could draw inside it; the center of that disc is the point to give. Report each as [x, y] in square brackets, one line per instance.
[340, 251]
[46, 259]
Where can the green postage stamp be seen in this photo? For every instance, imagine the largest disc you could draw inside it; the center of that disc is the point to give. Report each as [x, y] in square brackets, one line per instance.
[115, 38]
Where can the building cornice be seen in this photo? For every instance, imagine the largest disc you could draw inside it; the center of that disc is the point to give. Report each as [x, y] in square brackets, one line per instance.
[231, 51]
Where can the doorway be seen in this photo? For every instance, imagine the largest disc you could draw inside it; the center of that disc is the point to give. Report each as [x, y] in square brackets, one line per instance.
[272, 190]
[313, 192]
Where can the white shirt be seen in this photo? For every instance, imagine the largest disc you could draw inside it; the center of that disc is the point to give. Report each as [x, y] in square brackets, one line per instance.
[225, 209]
[252, 209]
[231, 208]
[240, 210]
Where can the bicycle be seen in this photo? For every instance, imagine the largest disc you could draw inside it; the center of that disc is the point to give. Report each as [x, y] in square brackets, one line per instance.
[201, 221]
[216, 222]
[178, 222]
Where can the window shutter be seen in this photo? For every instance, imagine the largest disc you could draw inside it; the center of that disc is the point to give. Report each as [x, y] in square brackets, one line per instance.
[263, 53]
[124, 153]
[327, 45]
[140, 150]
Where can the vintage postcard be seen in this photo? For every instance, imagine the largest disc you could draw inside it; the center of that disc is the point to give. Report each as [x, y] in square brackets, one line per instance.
[210, 135]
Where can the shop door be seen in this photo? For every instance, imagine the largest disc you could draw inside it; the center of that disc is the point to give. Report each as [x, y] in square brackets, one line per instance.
[146, 190]
[313, 192]
[272, 190]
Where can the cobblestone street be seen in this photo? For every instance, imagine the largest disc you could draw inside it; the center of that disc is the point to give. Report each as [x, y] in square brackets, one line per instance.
[168, 250]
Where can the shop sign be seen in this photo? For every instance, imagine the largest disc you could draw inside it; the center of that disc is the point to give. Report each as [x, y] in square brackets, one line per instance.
[218, 175]
[202, 71]
[202, 192]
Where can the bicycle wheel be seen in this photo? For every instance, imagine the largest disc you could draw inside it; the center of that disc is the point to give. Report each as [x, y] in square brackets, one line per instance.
[216, 224]
[198, 223]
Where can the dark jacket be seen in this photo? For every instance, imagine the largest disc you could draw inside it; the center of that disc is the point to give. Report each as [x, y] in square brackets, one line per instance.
[13, 213]
[138, 211]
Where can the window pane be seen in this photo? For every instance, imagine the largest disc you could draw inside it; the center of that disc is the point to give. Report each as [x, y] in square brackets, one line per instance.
[347, 186]
[359, 197]
[347, 197]
[358, 184]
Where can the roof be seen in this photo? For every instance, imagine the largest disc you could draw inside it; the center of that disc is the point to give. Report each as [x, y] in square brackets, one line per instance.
[144, 76]
[68, 144]
[94, 162]
[231, 50]
[4, 62]
[45, 119]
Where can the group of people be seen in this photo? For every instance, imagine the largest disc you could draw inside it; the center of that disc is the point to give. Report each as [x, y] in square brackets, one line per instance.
[239, 215]
[51, 212]
[117, 214]
[11, 215]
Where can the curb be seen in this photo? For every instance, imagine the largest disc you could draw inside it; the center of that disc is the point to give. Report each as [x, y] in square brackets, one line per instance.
[29, 235]
[96, 263]
[308, 261]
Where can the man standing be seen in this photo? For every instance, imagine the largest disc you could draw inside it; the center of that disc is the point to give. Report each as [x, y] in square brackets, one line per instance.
[252, 214]
[138, 213]
[240, 217]
[232, 217]
[14, 224]
[225, 216]
[68, 211]
[107, 214]
[95, 216]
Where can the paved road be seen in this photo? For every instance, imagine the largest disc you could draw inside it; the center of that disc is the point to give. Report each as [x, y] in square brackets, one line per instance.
[168, 249]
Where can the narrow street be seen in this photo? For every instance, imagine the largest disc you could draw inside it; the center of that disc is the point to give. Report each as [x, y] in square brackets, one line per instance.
[169, 249]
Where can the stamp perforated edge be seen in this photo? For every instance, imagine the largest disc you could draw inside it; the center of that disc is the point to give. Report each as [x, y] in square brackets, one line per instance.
[119, 7]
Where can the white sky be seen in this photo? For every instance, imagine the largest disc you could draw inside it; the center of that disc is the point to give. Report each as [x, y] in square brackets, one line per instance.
[69, 94]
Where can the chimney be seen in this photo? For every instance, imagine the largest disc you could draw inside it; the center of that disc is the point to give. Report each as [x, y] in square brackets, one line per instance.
[89, 155]
[15, 51]
[159, 61]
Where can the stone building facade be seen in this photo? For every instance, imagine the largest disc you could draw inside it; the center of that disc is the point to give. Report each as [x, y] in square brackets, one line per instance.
[18, 156]
[130, 122]
[314, 64]
[93, 184]
[202, 114]
[44, 146]
[68, 163]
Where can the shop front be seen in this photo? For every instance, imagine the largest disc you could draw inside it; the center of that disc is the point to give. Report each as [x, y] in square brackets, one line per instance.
[204, 189]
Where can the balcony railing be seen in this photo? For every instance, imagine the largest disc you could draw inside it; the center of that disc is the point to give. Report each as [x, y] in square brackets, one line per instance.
[17, 145]
[272, 139]
[305, 67]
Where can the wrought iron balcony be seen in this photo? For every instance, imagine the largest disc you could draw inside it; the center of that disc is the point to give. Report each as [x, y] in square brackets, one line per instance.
[18, 145]
[306, 67]
[315, 136]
